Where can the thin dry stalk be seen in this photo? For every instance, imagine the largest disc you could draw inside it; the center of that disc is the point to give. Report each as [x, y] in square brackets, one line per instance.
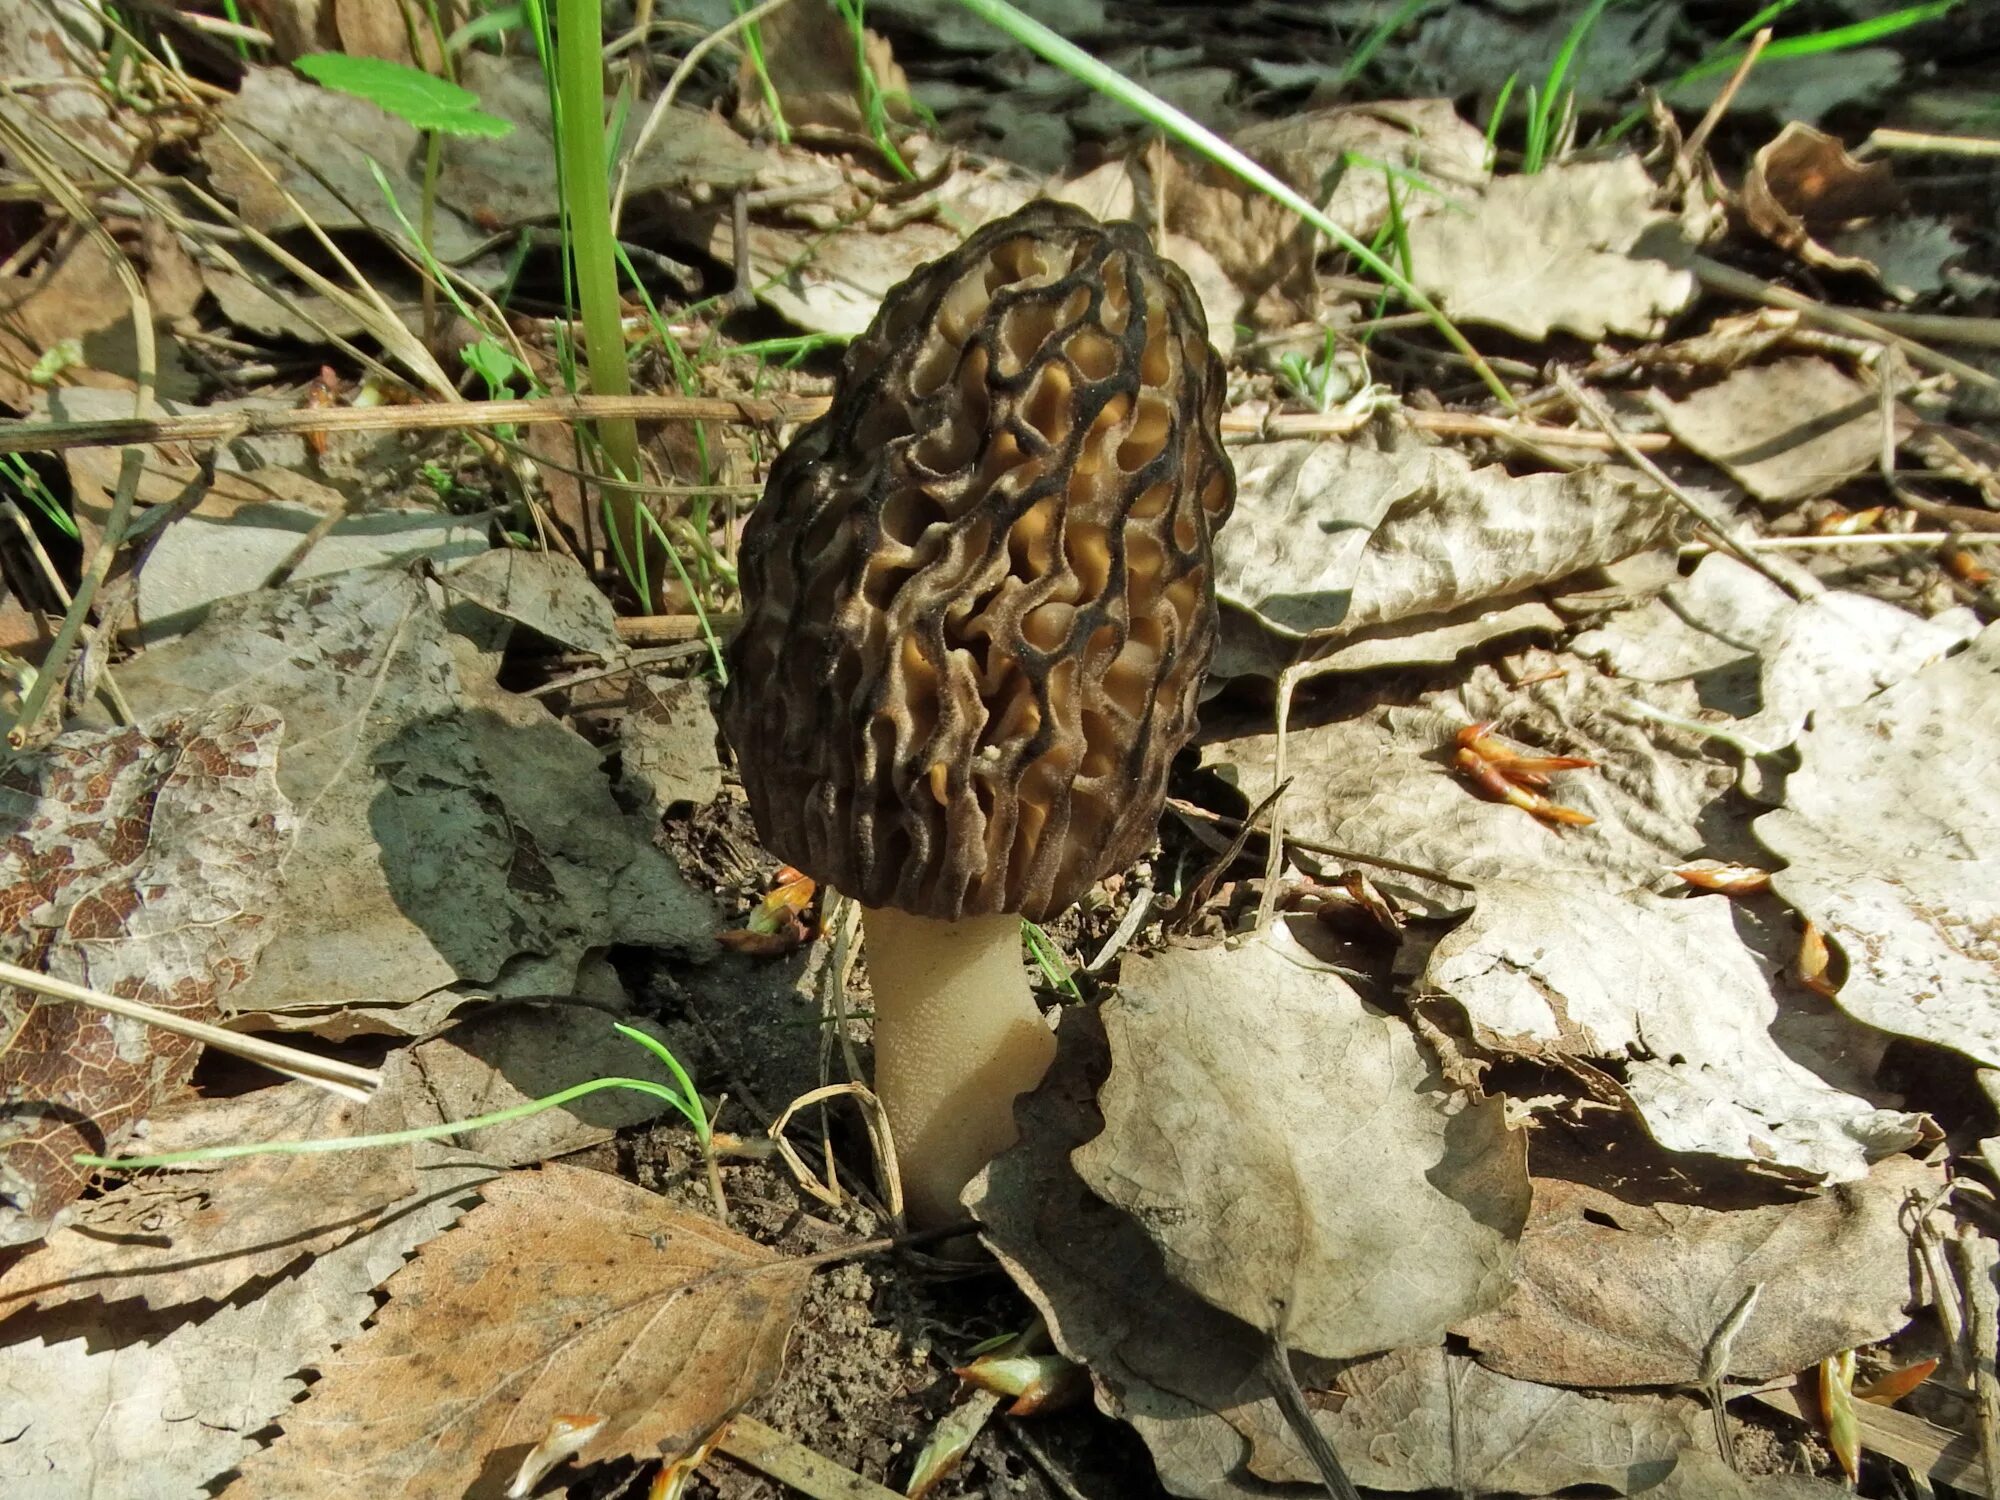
[883, 1141]
[336, 1077]
[1590, 407]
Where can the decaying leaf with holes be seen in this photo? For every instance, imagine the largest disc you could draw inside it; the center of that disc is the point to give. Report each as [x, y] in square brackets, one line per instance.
[978, 602]
[141, 863]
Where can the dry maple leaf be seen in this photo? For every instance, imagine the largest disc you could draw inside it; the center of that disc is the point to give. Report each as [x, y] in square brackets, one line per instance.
[565, 1291]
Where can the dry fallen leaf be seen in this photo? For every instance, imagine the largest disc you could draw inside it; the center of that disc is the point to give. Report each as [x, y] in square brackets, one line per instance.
[1802, 187]
[1612, 1293]
[1767, 659]
[1377, 782]
[452, 832]
[1891, 827]
[1668, 989]
[1180, 1370]
[107, 1400]
[564, 1291]
[1295, 1156]
[1577, 247]
[1424, 1419]
[1406, 532]
[1791, 430]
[143, 862]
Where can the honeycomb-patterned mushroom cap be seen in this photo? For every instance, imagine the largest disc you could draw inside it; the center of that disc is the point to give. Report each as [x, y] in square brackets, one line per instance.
[977, 595]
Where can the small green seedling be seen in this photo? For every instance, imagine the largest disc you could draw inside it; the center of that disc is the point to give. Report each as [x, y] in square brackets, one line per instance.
[681, 1095]
[410, 94]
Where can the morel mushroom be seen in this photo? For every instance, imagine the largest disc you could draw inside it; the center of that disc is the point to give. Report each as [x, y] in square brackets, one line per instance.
[977, 607]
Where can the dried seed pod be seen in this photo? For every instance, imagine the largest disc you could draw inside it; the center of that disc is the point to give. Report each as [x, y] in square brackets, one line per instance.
[978, 596]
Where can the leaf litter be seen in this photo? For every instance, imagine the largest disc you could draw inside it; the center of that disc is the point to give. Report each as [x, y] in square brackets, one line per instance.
[1410, 1156]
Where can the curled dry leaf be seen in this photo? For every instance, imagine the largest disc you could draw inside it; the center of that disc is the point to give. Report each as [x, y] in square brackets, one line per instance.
[1250, 1088]
[565, 1291]
[144, 863]
[1803, 187]
[1612, 1293]
[1578, 247]
[1408, 533]
[1891, 829]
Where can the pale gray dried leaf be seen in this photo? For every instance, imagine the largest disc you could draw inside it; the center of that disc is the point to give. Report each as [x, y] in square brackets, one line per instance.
[104, 1403]
[1891, 830]
[547, 592]
[1766, 659]
[1180, 1370]
[1791, 430]
[49, 57]
[667, 746]
[504, 1055]
[1316, 151]
[224, 548]
[1384, 1208]
[1577, 246]
[1402, 531]
[1612, 1293]
[1380, 782]
[1908, 254]
[511, 180]
[283, 141]
[452, 835]
[1668, 989]
[142, 862]
[1423, 1419]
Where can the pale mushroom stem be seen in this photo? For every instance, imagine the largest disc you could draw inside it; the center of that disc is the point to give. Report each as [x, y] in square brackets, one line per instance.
[957, 1036]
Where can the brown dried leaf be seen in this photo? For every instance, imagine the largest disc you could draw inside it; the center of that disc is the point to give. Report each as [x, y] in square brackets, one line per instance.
[1803, 185]
[201, 1233]
[564, 1291]
[1385, 1209]
[1615, 1293]
[109, 1399]
[141, 863]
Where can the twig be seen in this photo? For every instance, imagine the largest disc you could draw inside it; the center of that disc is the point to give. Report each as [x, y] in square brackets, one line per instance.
[344, 1079]
[1589, 406]
[54, 664]
[220, 426]
[1855, 539]
[1885, 139]
[1699, 139]
[1197, 814]
[1720, 278]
